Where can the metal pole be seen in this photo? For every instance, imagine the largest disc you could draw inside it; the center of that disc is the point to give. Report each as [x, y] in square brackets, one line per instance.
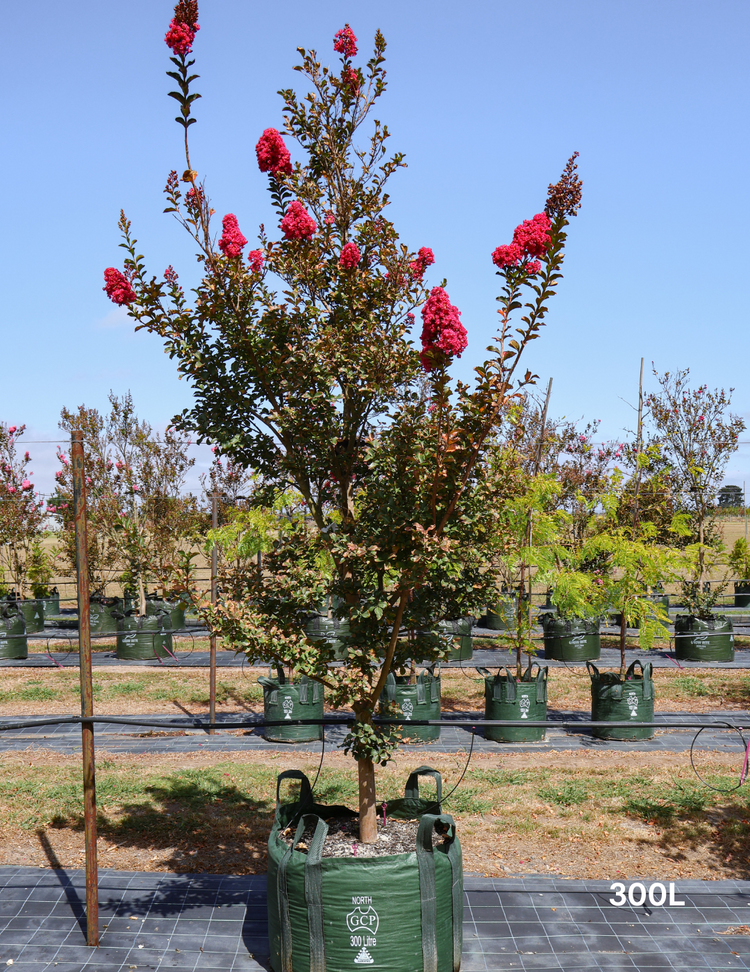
[744, 503]
[638, 448]
[212, 642]
[87, 694]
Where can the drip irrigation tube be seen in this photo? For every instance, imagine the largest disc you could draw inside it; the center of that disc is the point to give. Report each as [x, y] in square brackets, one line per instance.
[346, 720]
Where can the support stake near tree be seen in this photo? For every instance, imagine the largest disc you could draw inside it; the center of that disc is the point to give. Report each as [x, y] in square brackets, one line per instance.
[87, 693]
[212, 650]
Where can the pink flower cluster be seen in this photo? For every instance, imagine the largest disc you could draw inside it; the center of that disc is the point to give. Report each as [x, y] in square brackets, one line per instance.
[180, 36]
[298, 224]
[118, 287]
[12, 430]
[273, 155]
[232, 240]
[443, 334]
[255, 259]
[425, 258]
[344, 42]
[530, 239]
[350, 77]
[350, 256]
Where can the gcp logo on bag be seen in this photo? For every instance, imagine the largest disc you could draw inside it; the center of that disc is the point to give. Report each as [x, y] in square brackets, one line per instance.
[359, 920]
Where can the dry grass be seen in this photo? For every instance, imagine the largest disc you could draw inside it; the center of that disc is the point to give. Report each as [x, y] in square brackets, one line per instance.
[138, 690]
[580, 815]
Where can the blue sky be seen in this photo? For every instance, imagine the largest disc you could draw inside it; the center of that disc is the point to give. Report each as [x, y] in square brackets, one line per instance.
[487, 100]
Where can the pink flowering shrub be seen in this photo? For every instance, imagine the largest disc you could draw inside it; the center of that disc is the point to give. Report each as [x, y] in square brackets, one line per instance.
[350, 77]
[530, 239]
[255, 259]
[272, 154]
[183, 28]
[443, 334]
[532, 236]
[425, 258]
[350, 256]
[344, 42]
[232, 240]
[118, 287]
[298, 224]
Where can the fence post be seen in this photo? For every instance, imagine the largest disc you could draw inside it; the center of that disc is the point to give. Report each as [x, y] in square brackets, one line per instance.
[212, 642]
[87, 694]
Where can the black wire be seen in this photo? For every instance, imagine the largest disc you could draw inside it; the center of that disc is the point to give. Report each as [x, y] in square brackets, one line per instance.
[438, 806]
[717, 789]
[320, 764]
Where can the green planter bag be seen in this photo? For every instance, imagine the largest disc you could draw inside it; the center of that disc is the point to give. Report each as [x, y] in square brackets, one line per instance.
[502, 615]
[741, 593]
[13, 641]
[288, 701]
[103, 613]
[459, 631]
[571, 639]
[33, 614]
[505, 697]
[321, 628]
[51, 604]
[140, 638]
[613, 700]
[175, 610]
[397, 913]
[419, 701]
[699, 639]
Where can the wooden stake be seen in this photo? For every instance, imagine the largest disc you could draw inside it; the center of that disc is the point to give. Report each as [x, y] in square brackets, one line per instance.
[87, 692]
[212, 643]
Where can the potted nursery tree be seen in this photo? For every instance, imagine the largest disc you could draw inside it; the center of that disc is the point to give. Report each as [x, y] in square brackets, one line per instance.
[696, 435]
[21, 523]
[739, 562]
[636, 563]
[300, 357]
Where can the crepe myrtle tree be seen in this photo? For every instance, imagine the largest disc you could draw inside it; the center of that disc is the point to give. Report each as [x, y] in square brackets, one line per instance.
[300, 358]
[21, 511]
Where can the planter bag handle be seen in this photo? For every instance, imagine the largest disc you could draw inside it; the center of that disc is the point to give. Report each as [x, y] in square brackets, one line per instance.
[427, 888]
[273, 689]
[313, 893]
[411, 790]
[389, 692]
[305, 793]
[511, 690]
[646, 675]
[485, 672]
[541, 681]
[302, 690]
[593, 671]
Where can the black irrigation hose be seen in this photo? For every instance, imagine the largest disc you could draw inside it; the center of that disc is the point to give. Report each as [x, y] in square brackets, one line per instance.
[346, 719]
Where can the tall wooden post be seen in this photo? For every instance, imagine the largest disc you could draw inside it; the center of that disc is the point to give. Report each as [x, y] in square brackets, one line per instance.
[212, 643]
[87, 693]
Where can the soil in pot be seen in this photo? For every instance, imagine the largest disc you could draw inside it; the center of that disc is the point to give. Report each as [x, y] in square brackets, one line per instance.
[506, 697]
[703, 639]
[614, 699]
[571, 639]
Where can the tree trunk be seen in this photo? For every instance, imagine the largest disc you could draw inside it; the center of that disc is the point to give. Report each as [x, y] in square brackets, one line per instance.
[368, 819]
[623, 633]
